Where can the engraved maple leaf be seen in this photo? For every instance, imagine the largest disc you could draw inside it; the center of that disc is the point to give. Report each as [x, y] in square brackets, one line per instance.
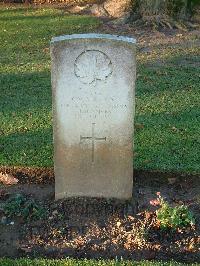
[91, 66]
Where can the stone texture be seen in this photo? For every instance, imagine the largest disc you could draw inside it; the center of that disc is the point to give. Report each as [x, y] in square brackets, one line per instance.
[93, 80]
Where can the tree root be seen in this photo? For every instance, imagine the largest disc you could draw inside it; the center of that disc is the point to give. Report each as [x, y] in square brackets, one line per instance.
[164, 22]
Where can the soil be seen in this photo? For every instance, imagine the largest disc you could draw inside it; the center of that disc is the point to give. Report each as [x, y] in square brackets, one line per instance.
[99, 228]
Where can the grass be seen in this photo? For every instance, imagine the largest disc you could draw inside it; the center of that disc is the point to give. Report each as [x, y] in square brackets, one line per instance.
[72, 262]
[168, 95]
[168, 107]
[26, 117]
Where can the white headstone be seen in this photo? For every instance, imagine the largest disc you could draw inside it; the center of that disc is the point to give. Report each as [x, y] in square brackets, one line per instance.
[93, 80]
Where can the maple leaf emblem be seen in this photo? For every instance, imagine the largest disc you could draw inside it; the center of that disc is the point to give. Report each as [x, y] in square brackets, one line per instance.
[91, 66]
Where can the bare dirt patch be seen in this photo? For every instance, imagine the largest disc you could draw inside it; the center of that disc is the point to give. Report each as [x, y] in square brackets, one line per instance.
[94, 228]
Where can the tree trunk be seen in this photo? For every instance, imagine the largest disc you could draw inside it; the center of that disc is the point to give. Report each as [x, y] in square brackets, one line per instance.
[172, 8]
[162, 12]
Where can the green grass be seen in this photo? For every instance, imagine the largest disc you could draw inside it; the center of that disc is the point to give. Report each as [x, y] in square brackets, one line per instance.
[168, 94]
[72, 262]
[26, 117]
[168, 107]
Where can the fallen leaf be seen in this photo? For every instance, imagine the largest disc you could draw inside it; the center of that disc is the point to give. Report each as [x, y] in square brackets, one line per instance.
[25, 249]
[46, 50]
[8, 179]
[55, 213]
[147, 161]
[130, 218]
[154, 202]
[174, 129]
[118, 224]
[139, 126]
[147, 215]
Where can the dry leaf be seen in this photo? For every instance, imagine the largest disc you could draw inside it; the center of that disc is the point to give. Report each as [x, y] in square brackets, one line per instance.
[147, 161]
[147, 215]
[139, 126]
[7, 179]
[46, 50]
[154, 202]
[131, 218]
[118, 224]
[174, 129]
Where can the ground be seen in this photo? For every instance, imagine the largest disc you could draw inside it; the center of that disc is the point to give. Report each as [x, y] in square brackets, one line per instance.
[99, 228]
[166, 143]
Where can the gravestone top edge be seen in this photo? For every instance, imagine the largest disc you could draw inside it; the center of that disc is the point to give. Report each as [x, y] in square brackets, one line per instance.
[93, 36]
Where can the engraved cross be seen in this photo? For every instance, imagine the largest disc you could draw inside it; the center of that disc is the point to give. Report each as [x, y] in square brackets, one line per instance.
[93, 139]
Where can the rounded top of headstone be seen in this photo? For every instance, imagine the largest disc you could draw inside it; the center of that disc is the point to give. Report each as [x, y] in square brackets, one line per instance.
[93, 36]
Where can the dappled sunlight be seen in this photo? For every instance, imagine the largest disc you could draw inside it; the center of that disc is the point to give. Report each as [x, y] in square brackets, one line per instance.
[167, 91]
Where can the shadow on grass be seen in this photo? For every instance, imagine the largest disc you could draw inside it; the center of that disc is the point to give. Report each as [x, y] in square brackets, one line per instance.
[25, 91]
[28, 90]
[157, 145]
[153, 80]
[26, 105]
[34, 148]
[168, 141]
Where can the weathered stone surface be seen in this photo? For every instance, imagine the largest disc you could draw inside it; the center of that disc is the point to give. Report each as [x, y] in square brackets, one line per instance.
[93, 80]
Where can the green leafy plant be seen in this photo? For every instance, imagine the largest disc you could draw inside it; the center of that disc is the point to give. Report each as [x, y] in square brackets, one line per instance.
[21, 206]
[172, 217]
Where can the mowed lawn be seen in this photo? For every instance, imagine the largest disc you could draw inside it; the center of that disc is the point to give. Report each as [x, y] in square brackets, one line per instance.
[167, 134]
[73, 262]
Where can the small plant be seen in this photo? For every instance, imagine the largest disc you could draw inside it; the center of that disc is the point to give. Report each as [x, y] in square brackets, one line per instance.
[21, 206]
[172, 217]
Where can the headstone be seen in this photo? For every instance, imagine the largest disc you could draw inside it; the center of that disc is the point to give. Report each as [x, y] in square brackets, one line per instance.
[93, 80]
